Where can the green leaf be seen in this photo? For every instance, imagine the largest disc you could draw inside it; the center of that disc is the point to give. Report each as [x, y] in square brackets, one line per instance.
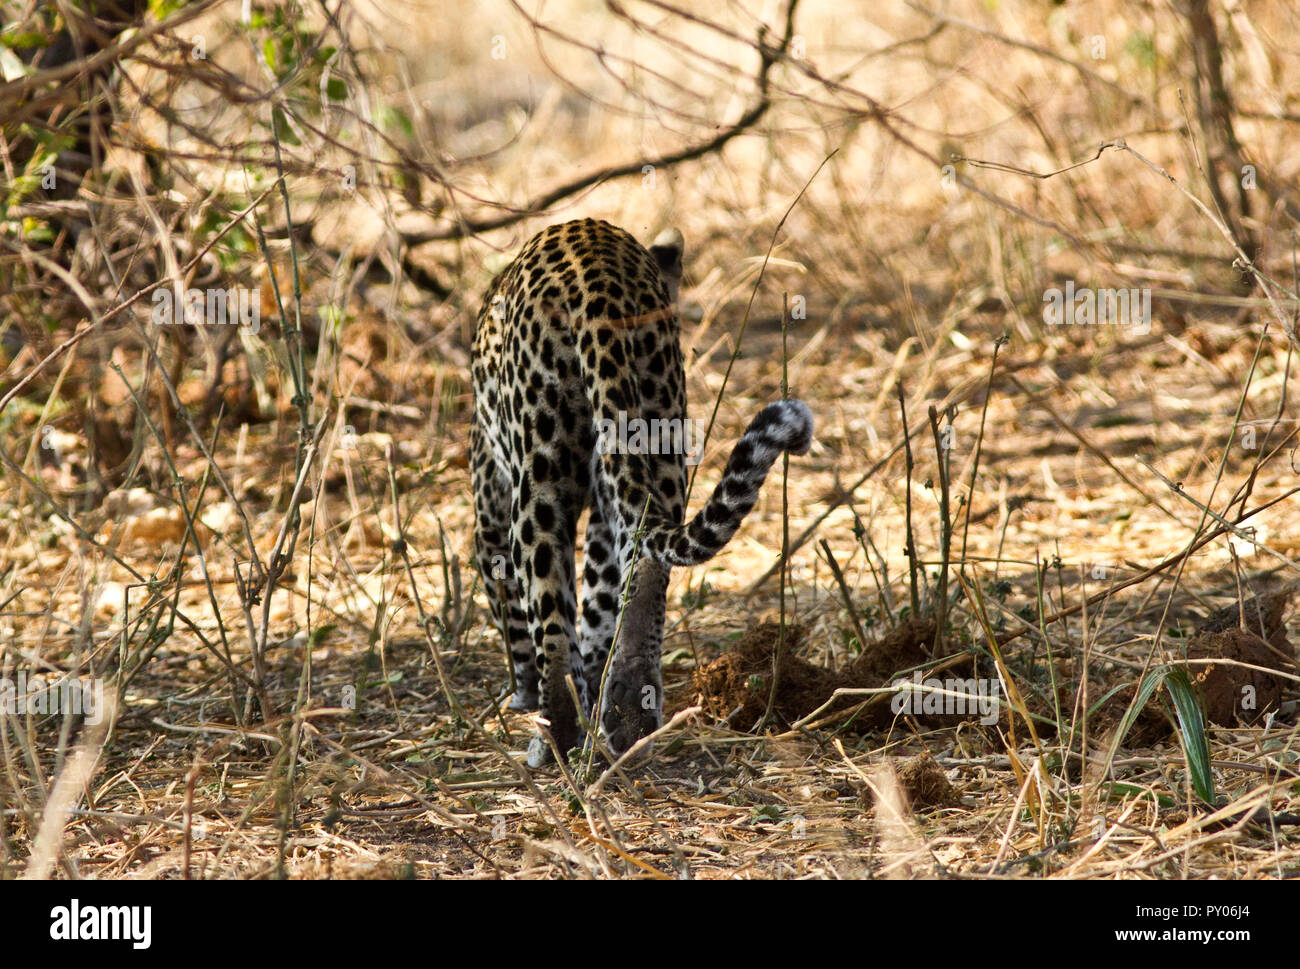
[336, 90]
[24, 40]
[390, 117]
[282, 129]
[1119, 791]
[1106, 696]
[162, 9]
[1191, 731]
[1142, 48]
[37, 231]
[1145, 689]
[1191, 723]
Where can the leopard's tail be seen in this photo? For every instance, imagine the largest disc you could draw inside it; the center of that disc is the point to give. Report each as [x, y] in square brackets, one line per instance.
[781, 426]
[784, 425]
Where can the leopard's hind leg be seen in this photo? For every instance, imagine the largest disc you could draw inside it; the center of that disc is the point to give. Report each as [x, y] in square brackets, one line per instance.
[491, 487]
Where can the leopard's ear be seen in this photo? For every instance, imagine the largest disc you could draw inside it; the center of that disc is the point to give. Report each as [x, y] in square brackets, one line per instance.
[668, 249]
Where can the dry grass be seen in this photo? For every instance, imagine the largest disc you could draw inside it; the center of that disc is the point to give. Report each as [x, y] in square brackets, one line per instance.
[332, 711]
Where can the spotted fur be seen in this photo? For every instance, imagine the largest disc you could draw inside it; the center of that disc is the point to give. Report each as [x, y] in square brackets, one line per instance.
[581, 328]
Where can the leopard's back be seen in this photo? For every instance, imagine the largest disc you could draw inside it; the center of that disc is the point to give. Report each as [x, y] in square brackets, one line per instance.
[584, 315]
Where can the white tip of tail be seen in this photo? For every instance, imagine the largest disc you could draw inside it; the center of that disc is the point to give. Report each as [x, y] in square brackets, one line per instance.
[791, 427]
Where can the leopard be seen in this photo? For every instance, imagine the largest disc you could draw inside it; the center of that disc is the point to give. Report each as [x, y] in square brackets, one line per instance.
[581, 331]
